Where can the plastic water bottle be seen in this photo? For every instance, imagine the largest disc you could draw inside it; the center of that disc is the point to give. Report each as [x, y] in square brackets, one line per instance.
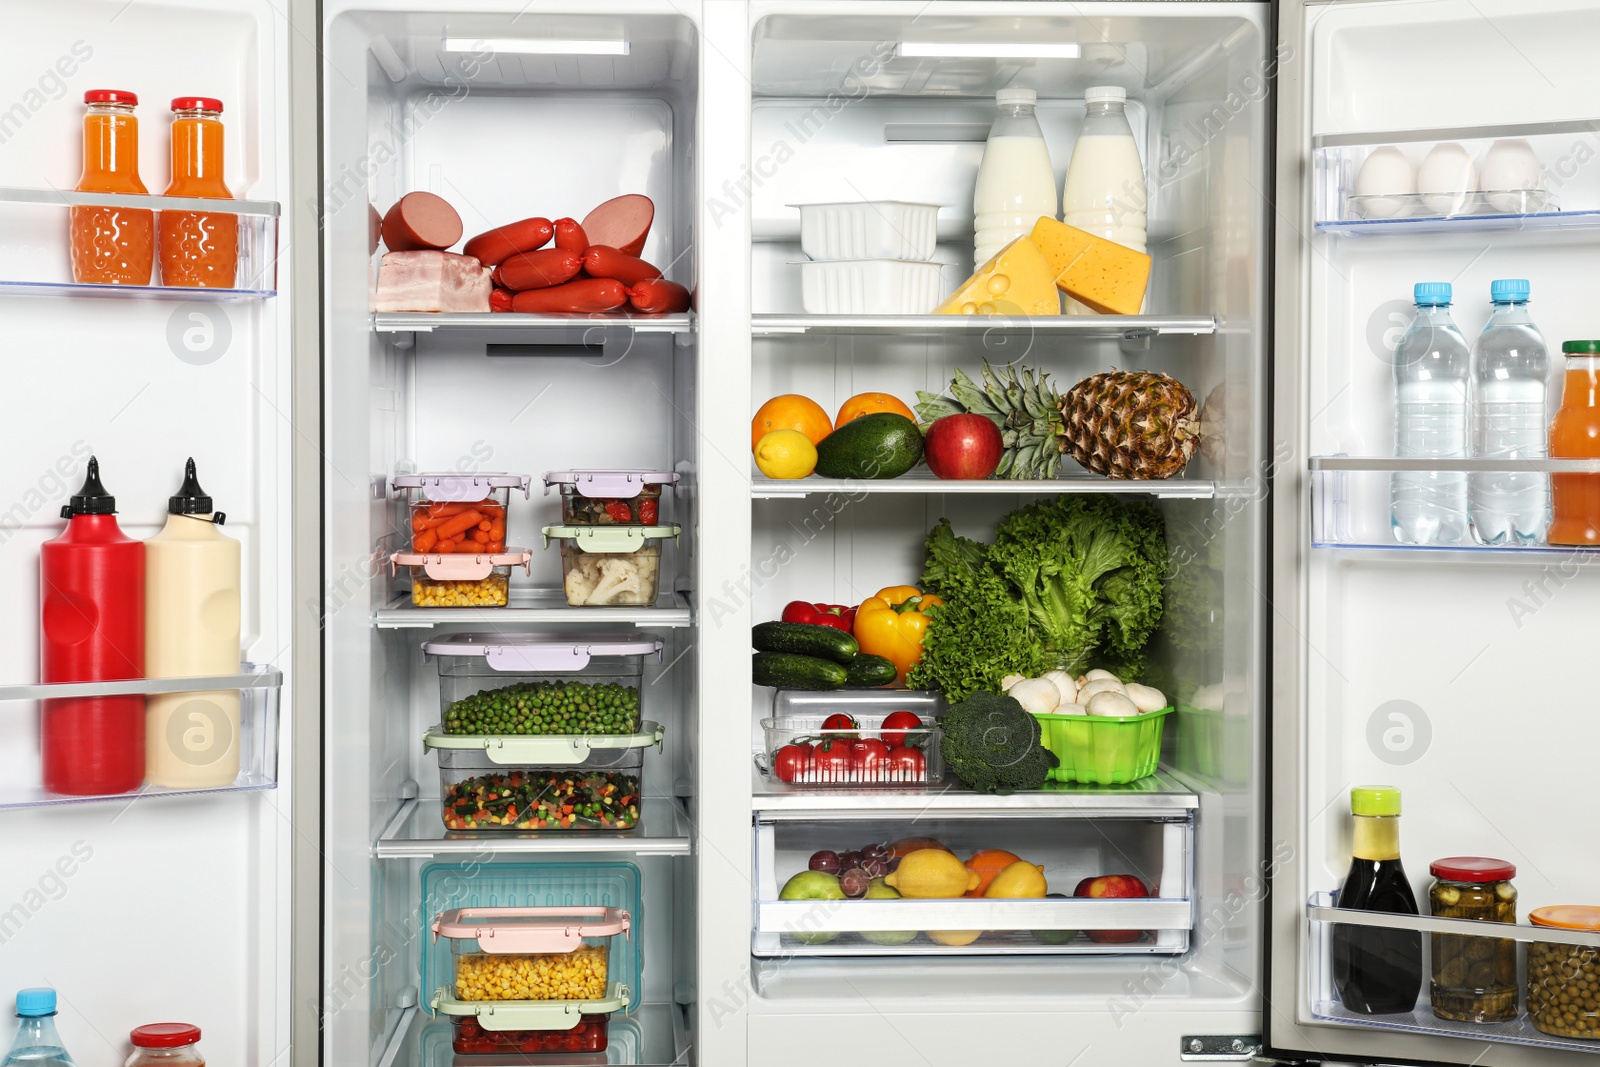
[1431, 367]
[1510, 387]
[37, 1043]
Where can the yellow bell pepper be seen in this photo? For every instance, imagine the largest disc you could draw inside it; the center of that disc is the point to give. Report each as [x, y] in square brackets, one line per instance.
[891, 625]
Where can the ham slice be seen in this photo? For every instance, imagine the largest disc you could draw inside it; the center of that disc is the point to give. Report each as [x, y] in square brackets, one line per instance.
[432, 281]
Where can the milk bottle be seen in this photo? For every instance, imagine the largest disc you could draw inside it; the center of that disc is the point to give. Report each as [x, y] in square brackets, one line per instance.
[1016, 182]
[1104, 193]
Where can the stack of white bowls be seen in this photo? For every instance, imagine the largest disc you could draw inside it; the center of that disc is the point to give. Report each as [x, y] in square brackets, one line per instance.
[869, 258]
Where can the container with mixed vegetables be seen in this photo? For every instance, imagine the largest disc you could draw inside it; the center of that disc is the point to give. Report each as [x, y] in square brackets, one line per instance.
[610, 497]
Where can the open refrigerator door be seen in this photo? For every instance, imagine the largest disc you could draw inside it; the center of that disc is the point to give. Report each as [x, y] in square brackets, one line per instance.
[1392, 637]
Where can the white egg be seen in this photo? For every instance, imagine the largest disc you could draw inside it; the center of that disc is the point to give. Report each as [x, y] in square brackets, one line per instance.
[1447, 179]
[1386, 181]
[1510, 170]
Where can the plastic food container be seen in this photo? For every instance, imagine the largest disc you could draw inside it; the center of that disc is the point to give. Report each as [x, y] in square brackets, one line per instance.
[541, 683]
[1564, 980]
[530, 979]
[1474, 979]
[871, 229]
[1103, 749]
[610, 566]
[607, 497]
[799, 751]
[457, 553]
[869, 287]
[553, 782]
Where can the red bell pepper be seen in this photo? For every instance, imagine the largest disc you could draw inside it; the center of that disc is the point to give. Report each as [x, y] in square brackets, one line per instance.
[838, 616]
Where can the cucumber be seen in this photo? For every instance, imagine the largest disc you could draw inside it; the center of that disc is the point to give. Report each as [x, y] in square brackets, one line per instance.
[867, 671]
[805, 639]
[880, 445]
[787, 670]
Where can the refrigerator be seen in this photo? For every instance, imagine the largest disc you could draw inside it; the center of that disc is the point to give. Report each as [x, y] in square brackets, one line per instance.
[291, 914]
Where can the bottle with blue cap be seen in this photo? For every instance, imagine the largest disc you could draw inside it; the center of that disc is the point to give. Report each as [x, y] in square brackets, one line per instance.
[1511, 386]
[37, 1044]
[1431, 370]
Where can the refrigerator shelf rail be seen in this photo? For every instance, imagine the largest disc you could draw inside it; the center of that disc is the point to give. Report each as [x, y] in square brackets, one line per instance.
[921, 482]
[1086, 327]
[416, 832]
[1157, 796]
[541, 606]
[1322, 917]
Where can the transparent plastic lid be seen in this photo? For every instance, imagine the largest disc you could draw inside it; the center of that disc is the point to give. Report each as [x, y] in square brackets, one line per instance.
[457, 486]
[610, 539]
[462, 566]
[544, 750]
[618, 482]
[503, 931]
[544, 652]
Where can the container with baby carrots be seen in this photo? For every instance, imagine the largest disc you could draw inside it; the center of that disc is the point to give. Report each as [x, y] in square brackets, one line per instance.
[458, 555]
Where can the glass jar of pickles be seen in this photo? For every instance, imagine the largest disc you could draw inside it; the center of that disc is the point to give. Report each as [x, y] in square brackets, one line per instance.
[1474, 978]
[1564, 980]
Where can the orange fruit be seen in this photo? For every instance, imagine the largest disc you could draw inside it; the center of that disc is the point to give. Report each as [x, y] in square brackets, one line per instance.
[869, 404]
[791, 411]
[987, 864]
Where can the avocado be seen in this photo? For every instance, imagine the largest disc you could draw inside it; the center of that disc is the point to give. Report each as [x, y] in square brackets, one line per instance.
[1055, 937]
[880, 445]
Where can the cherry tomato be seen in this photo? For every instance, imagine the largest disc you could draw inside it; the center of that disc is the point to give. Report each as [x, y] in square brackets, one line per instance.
[895, 725]
[907, 765]
[871, 760]
[834, 761]
[649, 511]
[840, 721]
[793, 763]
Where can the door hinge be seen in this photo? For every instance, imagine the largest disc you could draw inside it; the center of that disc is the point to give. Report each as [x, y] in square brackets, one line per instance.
[1236, 1047]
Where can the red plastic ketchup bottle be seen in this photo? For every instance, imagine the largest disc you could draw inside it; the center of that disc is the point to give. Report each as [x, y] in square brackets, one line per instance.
[91, 593]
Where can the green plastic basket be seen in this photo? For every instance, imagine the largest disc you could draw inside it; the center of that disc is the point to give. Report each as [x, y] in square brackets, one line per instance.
[1102, 750]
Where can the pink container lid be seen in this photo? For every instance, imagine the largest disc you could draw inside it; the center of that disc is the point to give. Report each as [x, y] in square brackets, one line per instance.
[453, 486]
[599, 484]
[544, 652]
[503, 931]
[462, 566]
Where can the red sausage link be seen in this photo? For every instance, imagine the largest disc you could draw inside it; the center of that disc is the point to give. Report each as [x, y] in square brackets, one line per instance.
[570, 236]
[500, 299]
[603, 262]
[658, 297]
[536, 270]
[420, 221]
[585, 294]
[621, 222]
[500, 244]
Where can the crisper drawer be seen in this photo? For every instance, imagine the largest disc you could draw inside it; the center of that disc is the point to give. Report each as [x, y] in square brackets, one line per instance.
[1080, 886]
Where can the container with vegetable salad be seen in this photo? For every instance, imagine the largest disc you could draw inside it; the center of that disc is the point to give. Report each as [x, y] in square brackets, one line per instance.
[549, 782]
[610, 566]
[541, 683]
[610, 497]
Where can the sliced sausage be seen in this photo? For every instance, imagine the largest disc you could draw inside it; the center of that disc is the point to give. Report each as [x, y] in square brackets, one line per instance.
[536, 270]
[657, 297]
[602, 261]
[585, 294]
[421, 221]
[570, 236]
[500, 299]
[622, 223]
[501, 243]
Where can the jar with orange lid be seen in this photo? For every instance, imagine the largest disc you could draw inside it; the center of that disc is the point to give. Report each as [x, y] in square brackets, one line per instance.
[1474, 979]
[1564, 980]
[165, 1045]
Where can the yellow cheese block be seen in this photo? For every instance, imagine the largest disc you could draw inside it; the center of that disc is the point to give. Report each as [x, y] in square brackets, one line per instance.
[1108, 277]
[1017, 281]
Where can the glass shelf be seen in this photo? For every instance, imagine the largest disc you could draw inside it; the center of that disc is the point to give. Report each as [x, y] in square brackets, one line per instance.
[417, 832]
[259, 690]
[531, 606]
[1088, 327]
[491, 327]
[36, 261]
[1157, 795]
[922, 482]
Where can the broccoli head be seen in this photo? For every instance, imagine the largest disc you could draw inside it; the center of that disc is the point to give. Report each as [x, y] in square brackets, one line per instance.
[993, 745]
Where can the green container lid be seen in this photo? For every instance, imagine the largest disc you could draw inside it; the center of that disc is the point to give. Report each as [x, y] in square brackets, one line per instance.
[1581, 347]
[1375, 800]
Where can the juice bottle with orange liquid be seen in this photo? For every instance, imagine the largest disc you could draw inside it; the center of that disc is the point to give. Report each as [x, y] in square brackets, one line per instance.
[198, 248]
[1575, 434]
[111, 245]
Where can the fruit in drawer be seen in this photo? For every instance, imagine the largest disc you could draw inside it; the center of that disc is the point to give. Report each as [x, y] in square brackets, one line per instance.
[813, 885]
[954, 938]
[826, 861]
[963, 446]
[907, 845]
[1020, 881]
[881, 890]
[869, 403]
[791, 411]
[1112, 885]
[785, 455]
[1055, 937]
[987, 863]
[877, 446]
[931, 873]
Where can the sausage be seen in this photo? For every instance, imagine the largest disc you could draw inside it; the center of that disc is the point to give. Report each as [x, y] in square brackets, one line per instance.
[585, 294]
[601, 261]
[657, 297]
[420, 221]
[570, 236]
[622, 223]
[374, 229]
[500, 299]
[501, 243]
[536, 270]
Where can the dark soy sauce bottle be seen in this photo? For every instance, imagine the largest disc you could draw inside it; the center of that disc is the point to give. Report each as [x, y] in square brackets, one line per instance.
[1377, 971]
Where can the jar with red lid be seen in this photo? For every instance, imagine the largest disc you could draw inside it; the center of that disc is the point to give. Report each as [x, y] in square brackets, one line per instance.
[1564, 980]
[165, 1045]
[1474, 978]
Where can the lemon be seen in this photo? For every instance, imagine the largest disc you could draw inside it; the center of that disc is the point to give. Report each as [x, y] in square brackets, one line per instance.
[956, 938]
[786, 454]
[1020, 879]
[932, 873]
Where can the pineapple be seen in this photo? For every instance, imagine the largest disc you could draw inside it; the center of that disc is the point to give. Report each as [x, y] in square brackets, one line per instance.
[1121, 424]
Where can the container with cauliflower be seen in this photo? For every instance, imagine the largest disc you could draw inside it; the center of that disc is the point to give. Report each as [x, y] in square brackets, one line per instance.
[610, 566]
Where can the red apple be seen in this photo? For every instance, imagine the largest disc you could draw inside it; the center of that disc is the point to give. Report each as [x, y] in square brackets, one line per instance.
[1112, 885]
[962, 446]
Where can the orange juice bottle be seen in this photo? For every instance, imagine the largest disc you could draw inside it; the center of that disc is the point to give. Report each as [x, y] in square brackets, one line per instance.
[1575, 434]
[198, 248]
[111, 245]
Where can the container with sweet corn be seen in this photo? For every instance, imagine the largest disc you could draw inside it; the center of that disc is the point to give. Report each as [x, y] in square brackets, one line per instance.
[579, 975]
[490, 592]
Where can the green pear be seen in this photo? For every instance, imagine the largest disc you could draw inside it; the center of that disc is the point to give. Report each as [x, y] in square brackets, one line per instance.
[881, 890]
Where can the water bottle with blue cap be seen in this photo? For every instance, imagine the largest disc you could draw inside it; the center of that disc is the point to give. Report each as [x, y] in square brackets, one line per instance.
[37, 1043]
[1510, 389]
[1431, 367]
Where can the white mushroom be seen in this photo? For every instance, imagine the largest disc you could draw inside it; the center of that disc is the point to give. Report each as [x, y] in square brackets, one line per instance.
[1098, 675]
[1065, 684]
[1010, 680]
[1071, 709]
[1099, 685]
[1146, 698]
[1037, 695]
[1111, 704]
[1208, 698]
